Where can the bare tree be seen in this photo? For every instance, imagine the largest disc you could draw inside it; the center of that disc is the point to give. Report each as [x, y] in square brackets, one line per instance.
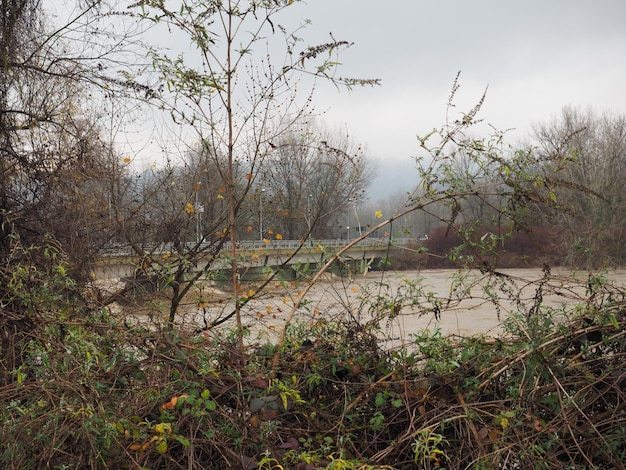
[314, 177]
[53, 157]
[587, 153]
[236, 95]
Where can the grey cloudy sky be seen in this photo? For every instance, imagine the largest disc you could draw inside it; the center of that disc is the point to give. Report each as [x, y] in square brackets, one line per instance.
[536, 56]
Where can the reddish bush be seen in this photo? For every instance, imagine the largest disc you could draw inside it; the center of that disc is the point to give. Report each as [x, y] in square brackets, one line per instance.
[523, 248]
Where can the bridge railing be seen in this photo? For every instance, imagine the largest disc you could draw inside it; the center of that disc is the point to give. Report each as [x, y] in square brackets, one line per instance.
[122, 250]
[331, 243]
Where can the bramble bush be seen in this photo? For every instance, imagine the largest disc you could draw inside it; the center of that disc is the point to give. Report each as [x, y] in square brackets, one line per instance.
[82, 388]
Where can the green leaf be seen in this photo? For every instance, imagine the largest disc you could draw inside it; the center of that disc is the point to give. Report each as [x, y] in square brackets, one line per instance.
[183, 440]
[161, 447]
[380, 399]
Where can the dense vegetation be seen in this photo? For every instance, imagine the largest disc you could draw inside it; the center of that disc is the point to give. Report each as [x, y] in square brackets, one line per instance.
[85, 383]
[84, 389]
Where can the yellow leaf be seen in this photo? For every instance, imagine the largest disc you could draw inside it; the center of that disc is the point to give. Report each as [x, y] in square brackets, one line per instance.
[249, 229]
[249, 176]
[552, 196]
[378, 214]
[271, 232]
[219, 196]
[189, 208]
[279, 236]
[265, 240]
[163, 428]
[127, 160]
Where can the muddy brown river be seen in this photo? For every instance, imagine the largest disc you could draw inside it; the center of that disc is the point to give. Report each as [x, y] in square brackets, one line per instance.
[409, 301]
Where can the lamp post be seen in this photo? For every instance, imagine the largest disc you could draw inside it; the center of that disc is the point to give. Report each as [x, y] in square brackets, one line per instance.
[356, 216]
[308, 219]
[261, 215]
[199, 209]
[353, 200]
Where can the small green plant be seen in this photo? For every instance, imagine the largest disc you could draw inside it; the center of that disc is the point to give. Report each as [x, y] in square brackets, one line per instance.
[427, 449]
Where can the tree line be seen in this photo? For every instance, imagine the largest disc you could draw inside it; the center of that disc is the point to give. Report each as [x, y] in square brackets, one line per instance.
[253, 161]
[269, 377]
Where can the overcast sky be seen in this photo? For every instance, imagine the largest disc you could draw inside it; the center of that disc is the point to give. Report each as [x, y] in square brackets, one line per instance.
[536, 56]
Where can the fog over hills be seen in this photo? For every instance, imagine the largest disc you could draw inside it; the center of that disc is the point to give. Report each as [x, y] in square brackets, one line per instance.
[393, 176]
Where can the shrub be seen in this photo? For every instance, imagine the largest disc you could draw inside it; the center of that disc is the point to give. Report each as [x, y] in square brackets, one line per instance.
[88, 390]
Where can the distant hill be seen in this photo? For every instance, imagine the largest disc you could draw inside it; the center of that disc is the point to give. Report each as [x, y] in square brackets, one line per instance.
[394, 176]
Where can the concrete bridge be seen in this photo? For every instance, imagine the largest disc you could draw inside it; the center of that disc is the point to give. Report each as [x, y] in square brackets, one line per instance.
[258, 259]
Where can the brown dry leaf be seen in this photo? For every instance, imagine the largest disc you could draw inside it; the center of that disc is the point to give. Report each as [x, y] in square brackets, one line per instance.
[170, 405]
[291, 443]
[254, 421]
[256, 382]
[269, 413]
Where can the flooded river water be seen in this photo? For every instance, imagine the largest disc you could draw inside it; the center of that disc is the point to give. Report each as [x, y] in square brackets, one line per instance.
[409, 301]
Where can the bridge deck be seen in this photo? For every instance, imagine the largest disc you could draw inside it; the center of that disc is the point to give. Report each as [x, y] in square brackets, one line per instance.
[119, 262]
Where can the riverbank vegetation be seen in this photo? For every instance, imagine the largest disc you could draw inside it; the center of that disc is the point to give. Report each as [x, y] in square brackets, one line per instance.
[84, 389]
[299, 384]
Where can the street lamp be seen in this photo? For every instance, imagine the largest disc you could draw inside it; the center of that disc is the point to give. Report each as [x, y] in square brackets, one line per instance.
[199, 209]
[308, 219]
[261, 215]
[356, 216]
[353, 200]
